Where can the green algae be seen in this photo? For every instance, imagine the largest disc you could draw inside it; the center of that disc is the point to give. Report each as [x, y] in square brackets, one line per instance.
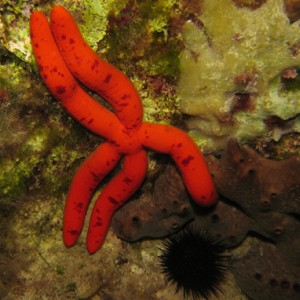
[94, 20]
[15, 170]
[37, 143]
[222, 62]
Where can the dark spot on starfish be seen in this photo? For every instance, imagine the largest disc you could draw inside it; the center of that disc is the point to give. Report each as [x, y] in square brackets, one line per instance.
[115, 143]
[73, 232]
[127, 180]
[98, 211]
[54, 69]
[60, 89]
[82, 119]
[107, 78]
[79, 206]
[95, 64]
[203, 197]
[63, 37]
[98, 224]
[90, 121]
[36, 45]
[124, 104]
[179, 145]
[113, 200]
[187, 160]
[41, 68]
[97, 177]
[71, 41]
[125, 96]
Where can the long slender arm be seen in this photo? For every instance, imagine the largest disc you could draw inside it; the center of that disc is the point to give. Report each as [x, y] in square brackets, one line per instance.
[187, 156]
[88, 176]
[117, 191]
[63, 85]
[94, 72]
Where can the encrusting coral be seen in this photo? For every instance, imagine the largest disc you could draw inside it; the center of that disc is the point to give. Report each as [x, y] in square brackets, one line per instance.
[231, 76]
[256, 195]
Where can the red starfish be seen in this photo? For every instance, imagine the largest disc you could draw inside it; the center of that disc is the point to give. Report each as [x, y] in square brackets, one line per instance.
[62, 55]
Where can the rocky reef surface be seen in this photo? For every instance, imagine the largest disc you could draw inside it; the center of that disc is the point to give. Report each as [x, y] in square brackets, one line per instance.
[258, 196]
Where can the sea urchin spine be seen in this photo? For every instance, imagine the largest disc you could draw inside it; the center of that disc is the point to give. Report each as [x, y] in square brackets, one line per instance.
[194, 262]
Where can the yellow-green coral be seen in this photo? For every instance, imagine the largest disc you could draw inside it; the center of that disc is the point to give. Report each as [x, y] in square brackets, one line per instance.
[95, 19]
[237, 44]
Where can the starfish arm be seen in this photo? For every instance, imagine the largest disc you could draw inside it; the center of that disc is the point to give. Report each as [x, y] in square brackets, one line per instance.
[88, 176]
[94, 72]
[117, 191]
[63, 85]
[187, 156]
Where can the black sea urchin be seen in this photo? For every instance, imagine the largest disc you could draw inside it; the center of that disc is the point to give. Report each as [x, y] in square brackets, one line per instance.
[194, 262]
